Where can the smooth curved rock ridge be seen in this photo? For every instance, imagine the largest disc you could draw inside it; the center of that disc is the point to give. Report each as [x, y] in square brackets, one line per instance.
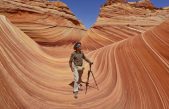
[120, 21]
[48, 23]
[131, 74]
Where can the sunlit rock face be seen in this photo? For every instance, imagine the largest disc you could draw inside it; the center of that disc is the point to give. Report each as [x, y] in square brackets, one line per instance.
[120, 20]
[110, 2]
[137, 3]
[129, 46]
[44, 21]
[144, 4]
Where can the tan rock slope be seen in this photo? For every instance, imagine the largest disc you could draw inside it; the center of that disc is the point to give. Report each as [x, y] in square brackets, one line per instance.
[131, 61]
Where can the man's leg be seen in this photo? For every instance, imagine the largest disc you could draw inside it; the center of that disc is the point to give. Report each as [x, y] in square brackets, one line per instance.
[80, 79]
[80, 75]
[76, 84]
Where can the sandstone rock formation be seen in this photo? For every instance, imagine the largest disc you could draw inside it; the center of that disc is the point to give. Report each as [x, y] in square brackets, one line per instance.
[120, 21]
[138, 3]
[43, 21]
[131, 74]
[50, 20]
[129, 47]
[110, 2]
[144, 4]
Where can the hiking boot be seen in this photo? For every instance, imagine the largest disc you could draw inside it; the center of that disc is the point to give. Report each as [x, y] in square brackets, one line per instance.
[75, 94]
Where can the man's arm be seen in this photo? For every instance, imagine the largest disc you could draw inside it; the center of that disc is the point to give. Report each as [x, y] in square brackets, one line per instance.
[70, 61]
[86, 59]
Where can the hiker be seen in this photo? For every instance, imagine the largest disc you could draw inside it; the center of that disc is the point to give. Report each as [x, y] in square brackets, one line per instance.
[76, 65]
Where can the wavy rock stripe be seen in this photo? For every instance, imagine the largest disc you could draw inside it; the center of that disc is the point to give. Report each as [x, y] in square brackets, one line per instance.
[48, 30]
[131, 74]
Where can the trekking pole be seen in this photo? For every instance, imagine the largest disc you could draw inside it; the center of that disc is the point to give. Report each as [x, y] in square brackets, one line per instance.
[87, 83]
[94, 77]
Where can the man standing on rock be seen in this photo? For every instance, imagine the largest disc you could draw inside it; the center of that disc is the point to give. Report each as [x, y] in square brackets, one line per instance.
[76, 65]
